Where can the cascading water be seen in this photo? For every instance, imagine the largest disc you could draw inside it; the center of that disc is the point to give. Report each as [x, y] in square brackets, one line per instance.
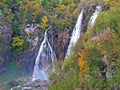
[75, 34]
[44, 60]
[94, 16]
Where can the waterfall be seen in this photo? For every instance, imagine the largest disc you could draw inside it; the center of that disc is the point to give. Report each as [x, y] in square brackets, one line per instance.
[94, 16]
[75, 34]
[44, 60]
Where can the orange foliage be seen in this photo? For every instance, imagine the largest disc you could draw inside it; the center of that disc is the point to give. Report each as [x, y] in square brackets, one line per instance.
[33, 6]
[82, 65]
[27, 5]
[36, 8]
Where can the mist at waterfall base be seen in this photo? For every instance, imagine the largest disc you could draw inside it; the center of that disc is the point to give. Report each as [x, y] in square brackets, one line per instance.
[44, 61]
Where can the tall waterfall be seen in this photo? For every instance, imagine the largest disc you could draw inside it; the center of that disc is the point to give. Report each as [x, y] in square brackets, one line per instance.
[75, 34]
[44, 60]
[94, 16]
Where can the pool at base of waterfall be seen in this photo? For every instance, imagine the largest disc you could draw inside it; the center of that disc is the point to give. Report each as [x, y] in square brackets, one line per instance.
[13, 77]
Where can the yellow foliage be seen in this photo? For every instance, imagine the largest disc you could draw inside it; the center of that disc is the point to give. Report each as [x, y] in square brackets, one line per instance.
[36, 8]
[17, 41]
[43, 23]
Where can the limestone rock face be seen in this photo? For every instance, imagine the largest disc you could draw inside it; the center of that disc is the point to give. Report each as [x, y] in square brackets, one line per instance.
[34, 36]
[60, 42]
[5, 47]
[57, 38]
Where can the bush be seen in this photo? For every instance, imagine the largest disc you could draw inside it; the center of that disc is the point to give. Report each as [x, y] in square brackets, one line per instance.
[66, 78]
[19, 45]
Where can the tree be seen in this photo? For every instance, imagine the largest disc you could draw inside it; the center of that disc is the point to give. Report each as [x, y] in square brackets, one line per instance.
[43, 24]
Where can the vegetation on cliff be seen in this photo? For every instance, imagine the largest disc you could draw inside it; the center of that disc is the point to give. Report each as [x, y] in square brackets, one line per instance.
[17, 14]
[95, 60]
[96, 56]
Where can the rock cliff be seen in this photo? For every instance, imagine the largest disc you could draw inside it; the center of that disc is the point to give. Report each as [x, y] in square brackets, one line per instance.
[5, 46]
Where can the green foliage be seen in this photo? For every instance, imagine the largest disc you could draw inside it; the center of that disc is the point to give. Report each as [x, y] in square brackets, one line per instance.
[66, 2]
[109, 19]
[115, 79]
[38, 19]
[65, 17]
[38, 1]
[66, 78]
[102, 40]
[47, 4]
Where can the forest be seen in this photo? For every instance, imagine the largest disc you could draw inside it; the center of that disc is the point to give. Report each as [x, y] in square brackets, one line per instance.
[94, 60]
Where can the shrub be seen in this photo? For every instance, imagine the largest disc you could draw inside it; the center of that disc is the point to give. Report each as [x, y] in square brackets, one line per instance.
[43, 24]
[67, 78]
[19, 45]
[17, 41]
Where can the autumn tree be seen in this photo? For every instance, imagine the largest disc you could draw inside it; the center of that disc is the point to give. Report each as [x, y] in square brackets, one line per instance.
[31, 11]
[43, 24]
[82, 64]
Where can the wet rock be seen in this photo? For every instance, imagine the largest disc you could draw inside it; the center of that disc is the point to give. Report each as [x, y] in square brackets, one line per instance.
[13, 83]
[59, 42]
[36, 85]
[28, 61]
[34, 36]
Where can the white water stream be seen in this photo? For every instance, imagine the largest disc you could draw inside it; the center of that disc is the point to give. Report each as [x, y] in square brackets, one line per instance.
[44, 60]
[94, 16]
[75, 34]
